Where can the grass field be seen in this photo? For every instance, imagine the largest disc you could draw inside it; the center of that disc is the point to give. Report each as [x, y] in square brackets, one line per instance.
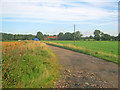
[107, 50]
[105, 46]
[28, 64]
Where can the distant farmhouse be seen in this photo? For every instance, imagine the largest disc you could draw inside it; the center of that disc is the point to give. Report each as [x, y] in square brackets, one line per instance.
[50, 37]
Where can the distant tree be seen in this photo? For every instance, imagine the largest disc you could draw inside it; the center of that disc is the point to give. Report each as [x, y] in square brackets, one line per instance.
[97, 35]
[91, 37]
[84, 38]
[29, 37]
[118, 37]
[61, 36]
[46, 35]
[6, 37]
[40, 36]
[68, 36]
[78, 35]
[112, 38]
[105, 37]
[87, 38]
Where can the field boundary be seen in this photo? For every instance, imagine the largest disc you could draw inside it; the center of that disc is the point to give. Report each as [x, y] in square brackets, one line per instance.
[100, 55]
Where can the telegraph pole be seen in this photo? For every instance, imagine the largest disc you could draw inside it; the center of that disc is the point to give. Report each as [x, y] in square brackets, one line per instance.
[74, 34]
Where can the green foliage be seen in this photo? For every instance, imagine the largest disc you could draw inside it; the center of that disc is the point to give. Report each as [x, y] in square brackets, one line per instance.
[40, 36]
[10, 37]
[68, 36]
[7, 36]
[118, 37]
[61, 36]
[105, 37]
[97, 35]
[78, 35]
[46, 35]
[91, 37]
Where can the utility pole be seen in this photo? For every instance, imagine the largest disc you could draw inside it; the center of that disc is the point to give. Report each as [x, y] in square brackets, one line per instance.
[74, 34]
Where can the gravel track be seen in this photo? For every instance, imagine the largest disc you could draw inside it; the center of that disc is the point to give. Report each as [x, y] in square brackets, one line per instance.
[84, 71]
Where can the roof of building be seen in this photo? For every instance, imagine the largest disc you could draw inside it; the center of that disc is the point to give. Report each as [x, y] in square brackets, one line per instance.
[50, 37]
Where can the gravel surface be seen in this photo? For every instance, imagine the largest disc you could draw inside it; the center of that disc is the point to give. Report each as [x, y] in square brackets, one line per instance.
[84, 71]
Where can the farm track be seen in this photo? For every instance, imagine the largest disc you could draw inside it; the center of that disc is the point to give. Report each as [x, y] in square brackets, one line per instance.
[84, 71]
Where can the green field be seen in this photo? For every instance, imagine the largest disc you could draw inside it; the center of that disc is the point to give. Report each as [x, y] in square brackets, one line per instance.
[107, 50]
[105, 46]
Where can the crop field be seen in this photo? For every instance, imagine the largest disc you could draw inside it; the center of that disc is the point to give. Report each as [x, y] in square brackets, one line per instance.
[107, 50]
[28, 64]
[105, 46]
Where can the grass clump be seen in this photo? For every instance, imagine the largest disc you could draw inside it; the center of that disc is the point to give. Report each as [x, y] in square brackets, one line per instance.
[28, 64]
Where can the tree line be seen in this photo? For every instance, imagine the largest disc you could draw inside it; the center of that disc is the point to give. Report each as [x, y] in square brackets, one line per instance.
[97, 36]
[9, 37]
[16, 37]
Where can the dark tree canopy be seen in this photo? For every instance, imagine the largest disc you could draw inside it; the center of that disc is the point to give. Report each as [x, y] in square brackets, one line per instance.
[68, 36]
[91, 37]
[105, 37]
[119, 37]
[97, 35]
[61, 36]
[40, 36]
[78, 35]
[7, 37]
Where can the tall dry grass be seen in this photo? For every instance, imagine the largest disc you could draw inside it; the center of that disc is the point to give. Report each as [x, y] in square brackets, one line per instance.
[29, 64]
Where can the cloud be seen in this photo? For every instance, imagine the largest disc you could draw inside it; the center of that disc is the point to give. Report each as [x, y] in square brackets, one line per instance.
[56, 11]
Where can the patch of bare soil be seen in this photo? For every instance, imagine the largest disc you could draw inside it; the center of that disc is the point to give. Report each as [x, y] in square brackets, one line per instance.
[84, 71]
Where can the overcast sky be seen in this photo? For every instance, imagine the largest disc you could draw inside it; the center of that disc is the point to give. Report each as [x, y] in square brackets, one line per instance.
[54, 16]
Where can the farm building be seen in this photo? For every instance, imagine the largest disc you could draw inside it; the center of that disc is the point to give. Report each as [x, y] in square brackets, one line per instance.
[50, 37]
[36, 39]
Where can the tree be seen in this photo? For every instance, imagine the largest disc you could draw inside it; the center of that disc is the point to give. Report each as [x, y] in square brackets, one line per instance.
[61, 36]
[7, 36]
[78, 35]
[118, 37]
[91, 37]
[105, 37]
[97, 35]
[40, 36]
[112, 38]
[45, 35]
[68, 36]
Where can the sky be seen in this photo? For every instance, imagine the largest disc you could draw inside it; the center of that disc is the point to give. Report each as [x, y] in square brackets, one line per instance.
[54, 16]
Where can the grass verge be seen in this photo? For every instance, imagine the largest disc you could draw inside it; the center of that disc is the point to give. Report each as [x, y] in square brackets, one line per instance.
[29, 64]
[99, 54]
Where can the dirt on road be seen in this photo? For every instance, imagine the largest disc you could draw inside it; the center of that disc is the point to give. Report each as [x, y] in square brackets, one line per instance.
[84, 71]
